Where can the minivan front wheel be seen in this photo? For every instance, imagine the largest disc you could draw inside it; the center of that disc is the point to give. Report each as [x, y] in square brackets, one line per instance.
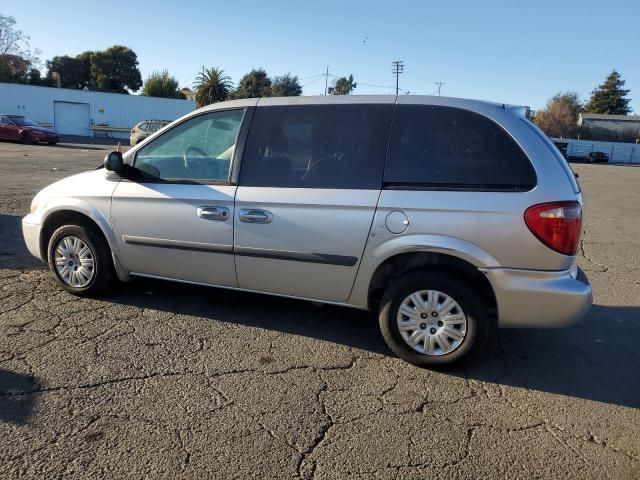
[80, 260]
[433, 318]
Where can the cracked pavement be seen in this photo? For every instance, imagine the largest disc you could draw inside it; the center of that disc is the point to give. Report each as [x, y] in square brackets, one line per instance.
[164, 380]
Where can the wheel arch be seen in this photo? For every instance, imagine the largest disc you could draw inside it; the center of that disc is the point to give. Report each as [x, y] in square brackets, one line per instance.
[399, 264]
[75, 214]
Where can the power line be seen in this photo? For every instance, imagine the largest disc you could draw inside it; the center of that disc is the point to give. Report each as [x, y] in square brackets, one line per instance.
[312, 81]
[311, 76]
[382, 86]
[326, 75]
[398, 68]
[377, 86]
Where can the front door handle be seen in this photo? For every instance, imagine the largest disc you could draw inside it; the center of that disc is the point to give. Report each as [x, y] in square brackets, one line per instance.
[252, 215]
[213, 213]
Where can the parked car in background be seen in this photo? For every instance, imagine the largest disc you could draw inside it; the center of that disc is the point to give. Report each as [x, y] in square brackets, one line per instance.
[597, 157]
[456, 218]
[145, 128]
[19, 128]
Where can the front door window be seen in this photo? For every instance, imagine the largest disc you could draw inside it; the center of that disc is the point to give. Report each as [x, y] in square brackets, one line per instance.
[199, 149]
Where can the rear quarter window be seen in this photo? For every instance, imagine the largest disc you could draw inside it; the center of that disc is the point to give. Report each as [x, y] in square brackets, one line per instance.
[452, 148]
[555, 151]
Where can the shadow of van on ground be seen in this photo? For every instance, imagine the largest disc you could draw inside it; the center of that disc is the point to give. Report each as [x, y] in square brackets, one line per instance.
[596, 359]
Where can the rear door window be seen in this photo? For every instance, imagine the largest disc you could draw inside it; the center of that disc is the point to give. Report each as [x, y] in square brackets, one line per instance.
[317, 146]
[451, 148]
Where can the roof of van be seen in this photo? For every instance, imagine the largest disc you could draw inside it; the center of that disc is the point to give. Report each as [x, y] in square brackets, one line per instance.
[359, 99]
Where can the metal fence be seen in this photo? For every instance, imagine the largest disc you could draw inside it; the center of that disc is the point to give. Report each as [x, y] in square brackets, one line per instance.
[617, 152]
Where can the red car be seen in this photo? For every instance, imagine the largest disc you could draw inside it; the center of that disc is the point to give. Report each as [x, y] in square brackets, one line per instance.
[20, 128]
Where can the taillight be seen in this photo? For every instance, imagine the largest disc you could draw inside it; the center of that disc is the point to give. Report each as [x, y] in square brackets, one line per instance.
[556, 224]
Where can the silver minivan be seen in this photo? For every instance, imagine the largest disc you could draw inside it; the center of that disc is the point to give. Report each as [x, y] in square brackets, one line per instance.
[447, 217]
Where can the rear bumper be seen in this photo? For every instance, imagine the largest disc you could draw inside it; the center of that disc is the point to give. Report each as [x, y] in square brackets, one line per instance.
[31, 233]
[531, 299]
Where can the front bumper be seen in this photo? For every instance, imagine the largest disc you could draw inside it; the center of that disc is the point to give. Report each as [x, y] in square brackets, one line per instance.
[529, 298]
[31, 233]
[45, 137]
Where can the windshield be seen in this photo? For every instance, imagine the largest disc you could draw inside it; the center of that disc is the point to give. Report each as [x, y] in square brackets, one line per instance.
[24, 122]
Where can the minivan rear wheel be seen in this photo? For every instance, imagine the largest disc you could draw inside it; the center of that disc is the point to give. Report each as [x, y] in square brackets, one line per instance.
[433, 319]
[80, 260]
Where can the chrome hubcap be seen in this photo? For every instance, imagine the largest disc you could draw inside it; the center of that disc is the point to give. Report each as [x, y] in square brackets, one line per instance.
[431, 322]
[75, 261]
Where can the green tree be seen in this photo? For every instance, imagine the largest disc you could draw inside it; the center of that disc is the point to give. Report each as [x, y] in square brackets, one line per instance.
[34, 77]
[74, 72]
[212, 85]
[86, 57]
[286, 86]
[254, 84]
[116, 68]
[5, 71]
[610, 97]
[161, 84]
[343, 86]
[559, 118]
[14, 68]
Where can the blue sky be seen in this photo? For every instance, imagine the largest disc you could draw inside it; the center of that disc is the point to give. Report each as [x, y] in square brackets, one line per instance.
[506, 51]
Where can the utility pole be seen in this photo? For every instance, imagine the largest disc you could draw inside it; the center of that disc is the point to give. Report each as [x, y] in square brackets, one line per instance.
[326, 80]
[439, 84]
[398, 68]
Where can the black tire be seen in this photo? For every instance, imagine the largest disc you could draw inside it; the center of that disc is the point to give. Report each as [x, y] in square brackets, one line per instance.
[26, 138]
[52, 143]
[478, 325]
[104, 271]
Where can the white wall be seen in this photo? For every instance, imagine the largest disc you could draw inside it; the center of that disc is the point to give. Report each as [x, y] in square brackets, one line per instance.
[116, 110]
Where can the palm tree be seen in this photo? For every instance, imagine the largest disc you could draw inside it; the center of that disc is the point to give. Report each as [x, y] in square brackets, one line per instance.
[212, 85]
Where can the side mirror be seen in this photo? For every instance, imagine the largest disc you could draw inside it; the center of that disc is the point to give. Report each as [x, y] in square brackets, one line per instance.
[113, 162]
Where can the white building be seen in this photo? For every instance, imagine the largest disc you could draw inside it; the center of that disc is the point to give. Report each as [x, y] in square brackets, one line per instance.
[81, 112]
